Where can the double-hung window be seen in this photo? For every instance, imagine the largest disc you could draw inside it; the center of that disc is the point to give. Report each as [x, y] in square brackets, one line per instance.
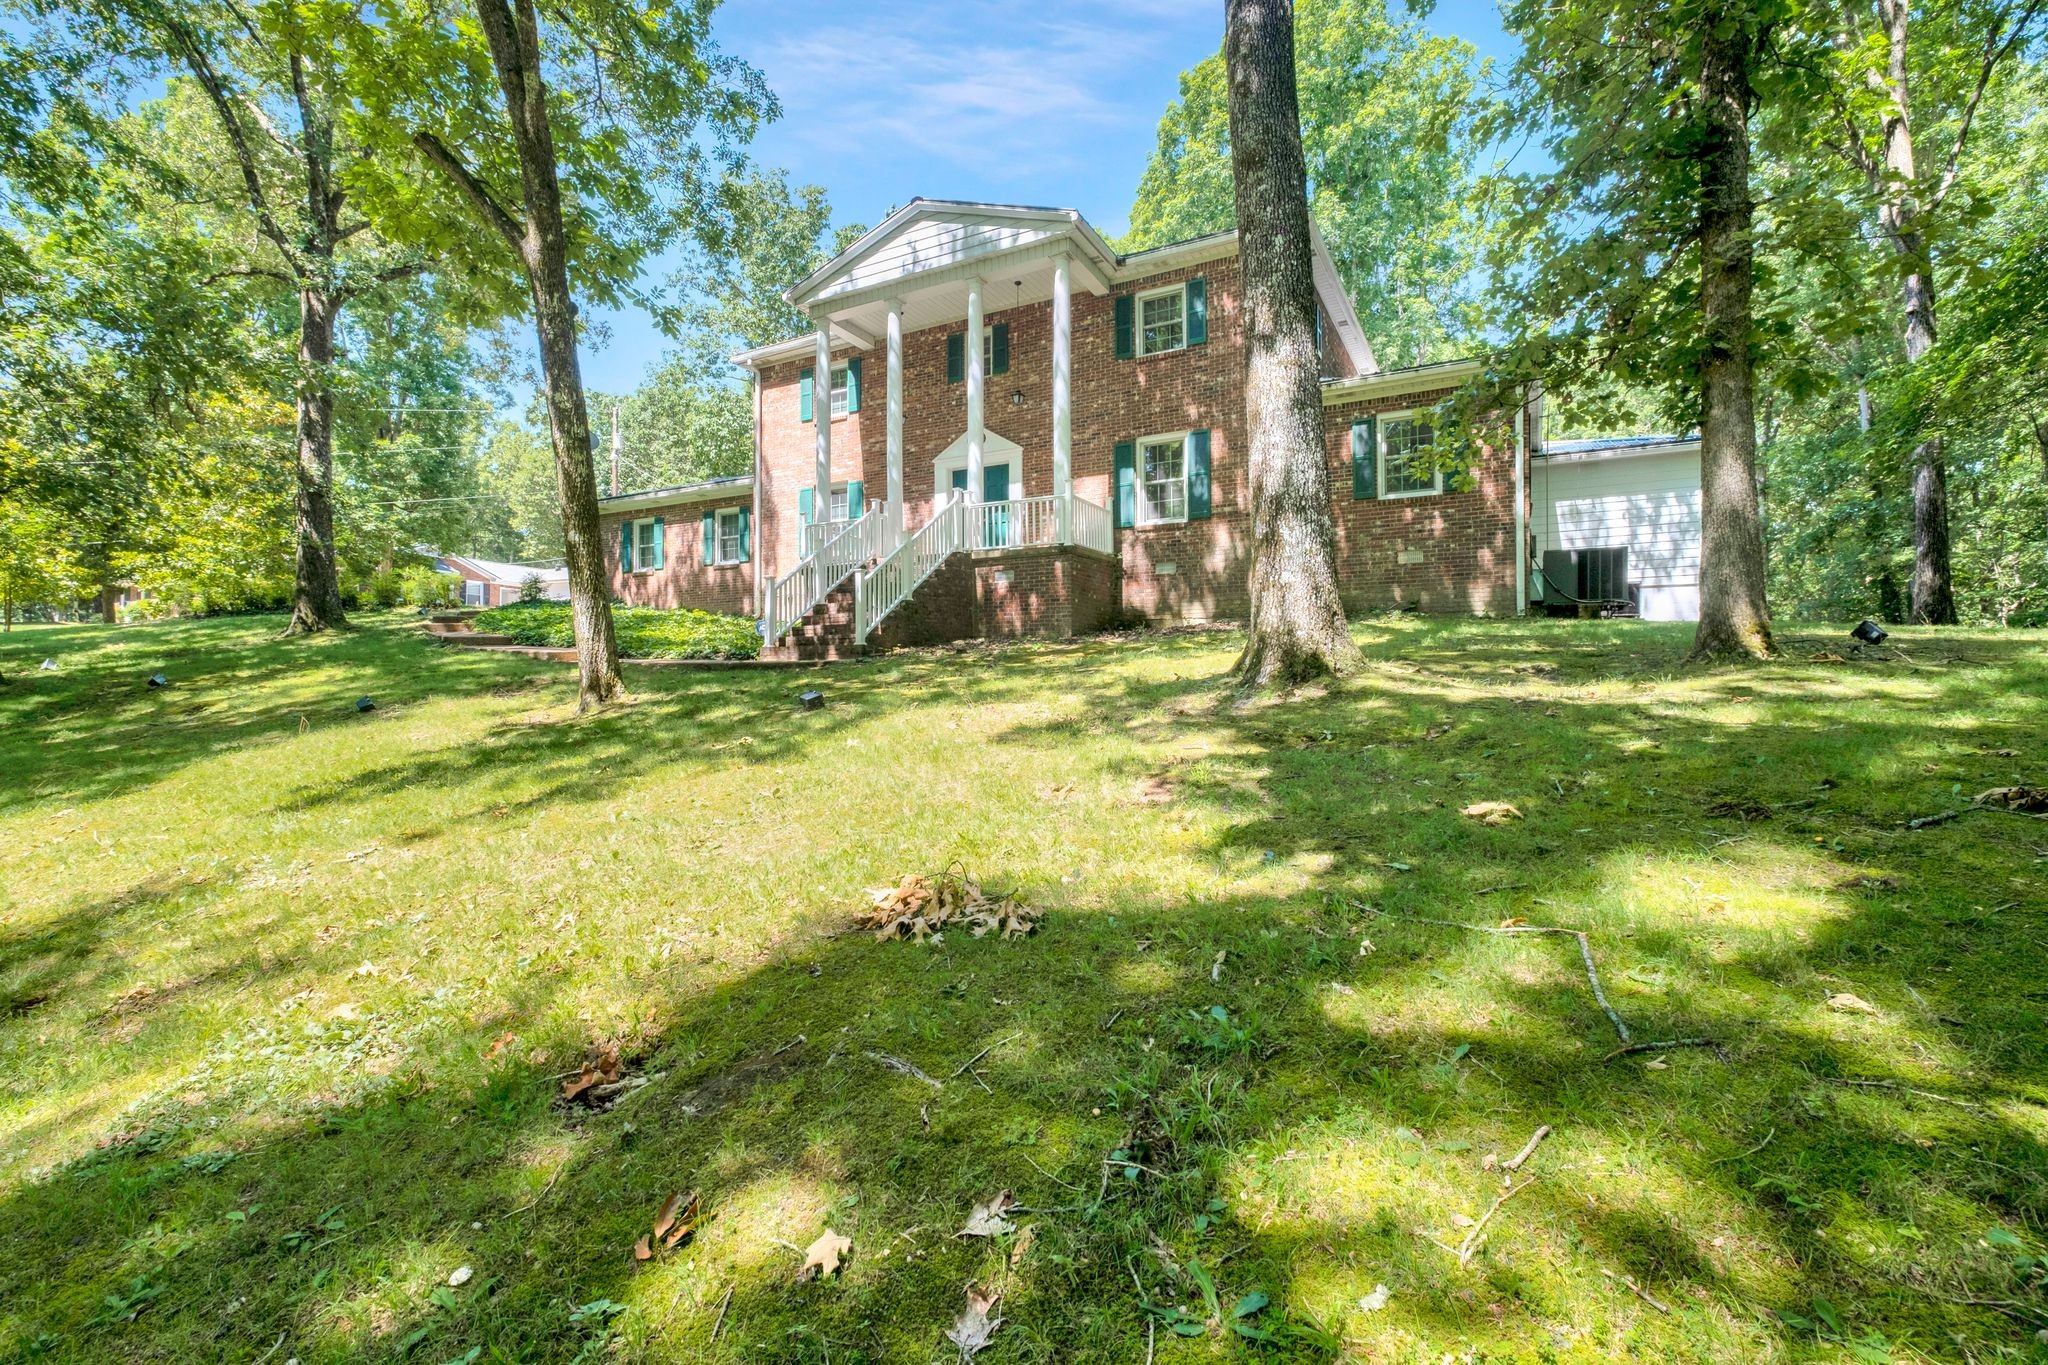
[1162, 320]
[839, 391]
[731, 535]
[1408, 466]
[640, 548]
[841, 501]
[1162, 479]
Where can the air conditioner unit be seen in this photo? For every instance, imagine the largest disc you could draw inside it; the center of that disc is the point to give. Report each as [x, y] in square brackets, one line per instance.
[1597, 575]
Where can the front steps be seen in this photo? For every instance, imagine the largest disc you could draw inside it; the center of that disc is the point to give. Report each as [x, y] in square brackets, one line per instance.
[824, 635]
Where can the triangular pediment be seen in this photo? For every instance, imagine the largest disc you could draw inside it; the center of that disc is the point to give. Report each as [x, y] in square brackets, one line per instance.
[929, 236]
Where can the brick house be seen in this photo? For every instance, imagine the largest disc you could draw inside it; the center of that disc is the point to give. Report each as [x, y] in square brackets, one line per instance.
[492, 583]
[1002, 426]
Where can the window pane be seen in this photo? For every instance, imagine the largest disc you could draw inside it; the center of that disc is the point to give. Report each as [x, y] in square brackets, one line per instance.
[839, 503]
[1163, 481]
[1409, 465]
[643, 553]
[728, 537]
[839, 392]
[1160, 323]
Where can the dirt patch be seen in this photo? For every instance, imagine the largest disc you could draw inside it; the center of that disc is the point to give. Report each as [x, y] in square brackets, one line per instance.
[714, 1093]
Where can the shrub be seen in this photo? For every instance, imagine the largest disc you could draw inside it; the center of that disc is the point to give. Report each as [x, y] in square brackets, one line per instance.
[644, 632]
[383, 589]
[420, 586]
[531, 589]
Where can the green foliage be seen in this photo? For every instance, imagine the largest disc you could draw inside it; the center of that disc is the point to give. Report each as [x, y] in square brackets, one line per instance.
[644, 632]
[1389, 115]
[532, 590]
[420, 585]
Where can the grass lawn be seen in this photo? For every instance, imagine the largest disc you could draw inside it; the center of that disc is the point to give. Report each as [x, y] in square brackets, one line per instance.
[288, 992]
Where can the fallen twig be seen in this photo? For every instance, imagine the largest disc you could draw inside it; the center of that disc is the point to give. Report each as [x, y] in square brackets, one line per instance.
[984, 1052]
[1659, 1047]
[1527, 1151]
[535, 1202]
[1053, 1178]
[1471, 1242]
[1903, 1089]
[722, 1305]
[272, 1351]
[1585, 950]
[1751, 1152]
[794, 1042]
[906, 1068]
[1639, 1291]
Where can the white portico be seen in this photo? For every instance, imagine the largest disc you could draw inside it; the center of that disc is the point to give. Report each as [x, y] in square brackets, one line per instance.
[935, 265]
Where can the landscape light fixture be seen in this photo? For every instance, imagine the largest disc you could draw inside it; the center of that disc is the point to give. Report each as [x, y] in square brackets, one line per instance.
[365, 704]
[1869, 632]
[813, 700]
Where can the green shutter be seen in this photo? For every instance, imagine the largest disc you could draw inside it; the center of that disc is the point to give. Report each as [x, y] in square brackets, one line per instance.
[803, 506]
[999, 346]
[804, 384]
[1198, 474]
[1126, 483]
[660, 545]
[1365, 471]
[746, 535]
[710, 537]
[625, 547]
[853, 385]
[956, 358]
[1125, 311]
[1198, 311]
[853, 502]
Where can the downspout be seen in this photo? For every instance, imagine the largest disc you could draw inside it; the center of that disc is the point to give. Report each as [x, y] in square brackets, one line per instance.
[1522, 502]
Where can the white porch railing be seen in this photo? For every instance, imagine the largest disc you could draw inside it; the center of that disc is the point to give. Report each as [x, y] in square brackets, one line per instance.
[792, 596]
[1019, 522]
[882, 589]
[1093, 528]
[820, 533]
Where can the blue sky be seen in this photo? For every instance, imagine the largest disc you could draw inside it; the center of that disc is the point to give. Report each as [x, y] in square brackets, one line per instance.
[1034, 102]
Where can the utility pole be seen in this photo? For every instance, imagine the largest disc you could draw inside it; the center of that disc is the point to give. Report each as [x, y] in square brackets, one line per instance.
[615, 450]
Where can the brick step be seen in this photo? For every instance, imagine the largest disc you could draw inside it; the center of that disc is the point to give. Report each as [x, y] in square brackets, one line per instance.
[477, 637]
[438, 626]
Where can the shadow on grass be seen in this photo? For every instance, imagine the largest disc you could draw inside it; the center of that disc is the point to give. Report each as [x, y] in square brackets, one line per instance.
[1314, 1138]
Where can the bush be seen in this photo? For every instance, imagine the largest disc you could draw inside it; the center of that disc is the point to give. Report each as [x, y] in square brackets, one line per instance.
[382, 589]
[420, 586]
[644, 632]
[532, 590]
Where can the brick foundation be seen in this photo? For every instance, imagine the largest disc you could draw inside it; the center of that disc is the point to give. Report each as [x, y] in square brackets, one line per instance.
[940, 611]
[1051, 590]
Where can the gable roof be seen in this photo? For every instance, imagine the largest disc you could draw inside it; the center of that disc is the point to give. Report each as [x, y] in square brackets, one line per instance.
[725, 486]
[931, 234]
[497, 571]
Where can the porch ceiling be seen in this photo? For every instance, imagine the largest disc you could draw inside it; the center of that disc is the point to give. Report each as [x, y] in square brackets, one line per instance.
[1012, 283]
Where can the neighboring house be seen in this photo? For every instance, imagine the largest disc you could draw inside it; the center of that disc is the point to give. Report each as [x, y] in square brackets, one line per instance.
[1019, 430]
[490, 583]
[1595, 499]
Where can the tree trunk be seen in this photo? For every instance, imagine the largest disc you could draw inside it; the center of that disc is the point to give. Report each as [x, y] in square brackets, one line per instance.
[1734, 620]
[316, 585]
[515, 52]
[109, 613]
[1297, 629]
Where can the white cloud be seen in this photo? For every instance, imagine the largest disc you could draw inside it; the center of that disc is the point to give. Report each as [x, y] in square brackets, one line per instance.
[979, 86]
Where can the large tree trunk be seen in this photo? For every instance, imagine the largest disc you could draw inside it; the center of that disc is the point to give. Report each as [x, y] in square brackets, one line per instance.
[2041, 440]
[1898, 188]
[515, 52]
[1297, 629]
[316, 586]
[1734, 620]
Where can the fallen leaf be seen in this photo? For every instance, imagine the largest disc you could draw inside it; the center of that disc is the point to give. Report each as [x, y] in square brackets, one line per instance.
[602, 1071]
[1854, 1004]
[676, 1221]
[972, 1330]
[2027, 800]
[1377, 1300]
[1492, 812]
[822, 1259]
[1459, 1220]
[499, 1044]
[1024, 1241]
[987, 1220]
[460, 1277]
[1155, 789]
[642, 1249]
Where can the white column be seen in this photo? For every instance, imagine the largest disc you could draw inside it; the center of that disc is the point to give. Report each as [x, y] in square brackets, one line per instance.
[821, 417]
[976, 438]
[895, 494]
[1063, 397]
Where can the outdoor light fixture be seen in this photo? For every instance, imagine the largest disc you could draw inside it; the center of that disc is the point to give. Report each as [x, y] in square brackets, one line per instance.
[159, 680]
[812, 700]
[1869, 632]
[364, 704]
[1017, 398]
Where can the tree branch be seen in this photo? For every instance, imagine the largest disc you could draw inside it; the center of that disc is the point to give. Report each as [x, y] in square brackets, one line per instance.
[1994, 53]
[248, 272]
[252, 181]
[474, 190]
[388, 275]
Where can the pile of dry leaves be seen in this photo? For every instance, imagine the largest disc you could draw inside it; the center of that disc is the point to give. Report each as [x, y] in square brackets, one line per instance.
[920, 907]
